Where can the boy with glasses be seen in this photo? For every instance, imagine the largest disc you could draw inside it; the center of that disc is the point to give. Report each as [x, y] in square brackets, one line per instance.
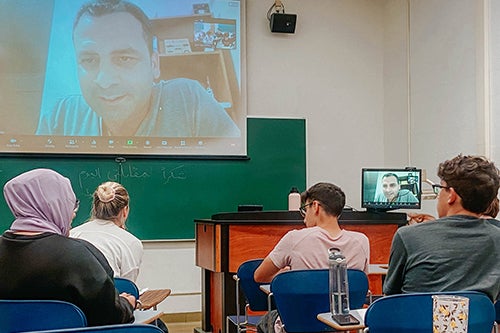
[307, 248]
[458, 251]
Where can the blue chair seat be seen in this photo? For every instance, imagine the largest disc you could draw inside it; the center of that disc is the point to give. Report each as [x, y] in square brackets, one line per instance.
[255, 299]
[412, 313]
[497, 310]
[301, 294]
[33, 315]
[126, 286]
[119, 328]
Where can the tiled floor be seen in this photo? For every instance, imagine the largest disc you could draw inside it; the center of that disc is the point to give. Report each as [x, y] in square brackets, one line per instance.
[182, 322]
[183, 327]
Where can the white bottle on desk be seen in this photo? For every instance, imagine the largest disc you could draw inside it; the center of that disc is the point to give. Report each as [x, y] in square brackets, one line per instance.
[294, 199]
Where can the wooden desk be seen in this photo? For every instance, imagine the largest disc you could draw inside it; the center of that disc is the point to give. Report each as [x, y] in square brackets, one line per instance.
[146, 316]
[222, 244]
[326, 318]
[228, 239]
[151, 298]
[376, 276]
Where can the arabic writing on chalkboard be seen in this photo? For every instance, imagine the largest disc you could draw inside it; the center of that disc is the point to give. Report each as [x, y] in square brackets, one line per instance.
[122, 173]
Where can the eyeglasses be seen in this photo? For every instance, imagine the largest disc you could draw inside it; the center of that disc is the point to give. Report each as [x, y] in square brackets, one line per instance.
[303, 208]
[77, 205]
[437, 188]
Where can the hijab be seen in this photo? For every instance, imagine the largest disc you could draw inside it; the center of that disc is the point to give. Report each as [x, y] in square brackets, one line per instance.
[41, 200]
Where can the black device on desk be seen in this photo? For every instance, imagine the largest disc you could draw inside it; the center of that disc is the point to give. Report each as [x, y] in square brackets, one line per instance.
[250, 208]
[345, 320]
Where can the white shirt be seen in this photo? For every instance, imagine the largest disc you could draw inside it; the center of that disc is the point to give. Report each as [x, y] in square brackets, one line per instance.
[122, 249]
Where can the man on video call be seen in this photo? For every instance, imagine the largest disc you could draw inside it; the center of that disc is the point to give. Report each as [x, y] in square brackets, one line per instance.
[392, 192]
[117, 69]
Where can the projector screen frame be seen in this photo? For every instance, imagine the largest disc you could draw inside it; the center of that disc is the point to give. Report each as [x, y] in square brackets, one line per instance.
[231, 87]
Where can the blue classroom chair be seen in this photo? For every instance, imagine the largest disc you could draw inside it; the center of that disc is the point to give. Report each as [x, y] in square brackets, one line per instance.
[119, 328]
[126, 286]
[255, 299]
[32, 315]
[412, 313]
[300, 295]
[497, 310]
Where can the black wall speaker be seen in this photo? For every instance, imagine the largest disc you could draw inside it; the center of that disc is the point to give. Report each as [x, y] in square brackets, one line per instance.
[283, 23]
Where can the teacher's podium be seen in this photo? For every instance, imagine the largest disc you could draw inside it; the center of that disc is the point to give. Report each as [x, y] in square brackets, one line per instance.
[228, 239]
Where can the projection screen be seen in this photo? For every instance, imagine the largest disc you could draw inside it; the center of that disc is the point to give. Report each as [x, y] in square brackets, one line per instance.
[109, 83]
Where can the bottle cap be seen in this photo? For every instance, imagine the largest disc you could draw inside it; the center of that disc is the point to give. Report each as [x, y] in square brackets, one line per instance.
[294, 190]
[335, 254]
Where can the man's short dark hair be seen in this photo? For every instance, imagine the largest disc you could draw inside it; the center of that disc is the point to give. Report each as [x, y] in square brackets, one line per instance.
[97, 8]
[330, 196]
[390, 174]
[474, 178]
[493, 208]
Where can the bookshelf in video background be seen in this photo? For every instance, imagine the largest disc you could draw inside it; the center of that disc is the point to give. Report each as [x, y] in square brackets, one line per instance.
[181, 56]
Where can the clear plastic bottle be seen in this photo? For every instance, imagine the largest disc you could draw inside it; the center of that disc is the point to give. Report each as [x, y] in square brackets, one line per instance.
[294, 199]
[339, 286]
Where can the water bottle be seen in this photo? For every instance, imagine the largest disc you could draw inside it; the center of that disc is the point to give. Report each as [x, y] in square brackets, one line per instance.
[339, 287]
[294, 199]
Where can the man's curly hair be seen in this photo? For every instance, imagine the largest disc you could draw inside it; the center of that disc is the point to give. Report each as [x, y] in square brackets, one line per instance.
[474, 178]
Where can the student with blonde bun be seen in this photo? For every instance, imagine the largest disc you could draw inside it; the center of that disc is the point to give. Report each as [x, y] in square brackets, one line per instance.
[106, 230]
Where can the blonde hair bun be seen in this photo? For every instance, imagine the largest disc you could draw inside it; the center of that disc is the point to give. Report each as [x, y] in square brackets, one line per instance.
[106, 193]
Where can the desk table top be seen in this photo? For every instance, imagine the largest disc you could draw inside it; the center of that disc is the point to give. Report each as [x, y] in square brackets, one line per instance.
[146, 316]
[326, 318]
[380, 269]
[265, 288]
[151, 298]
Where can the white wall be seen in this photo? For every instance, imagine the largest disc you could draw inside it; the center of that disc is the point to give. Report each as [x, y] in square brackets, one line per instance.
[446, 87]
[329, 72]
[494, 70]
[346, 71]
[171, 265]
[447, 82]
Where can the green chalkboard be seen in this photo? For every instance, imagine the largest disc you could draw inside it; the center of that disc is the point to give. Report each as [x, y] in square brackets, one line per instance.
[168, 194]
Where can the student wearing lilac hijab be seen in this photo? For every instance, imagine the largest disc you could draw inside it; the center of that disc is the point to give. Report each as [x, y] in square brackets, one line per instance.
[42, 201]
[39, 261]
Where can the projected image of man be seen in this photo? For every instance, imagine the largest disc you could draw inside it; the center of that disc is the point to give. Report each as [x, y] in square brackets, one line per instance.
[392, 191]
[118, 71]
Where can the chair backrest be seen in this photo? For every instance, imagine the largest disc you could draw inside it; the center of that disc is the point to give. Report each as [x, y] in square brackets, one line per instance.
[497, 310]
[256, 298]
[119, 328]
[358, 288]
[126, 286]
[301, 294]
[412, 313]
[33, 315]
